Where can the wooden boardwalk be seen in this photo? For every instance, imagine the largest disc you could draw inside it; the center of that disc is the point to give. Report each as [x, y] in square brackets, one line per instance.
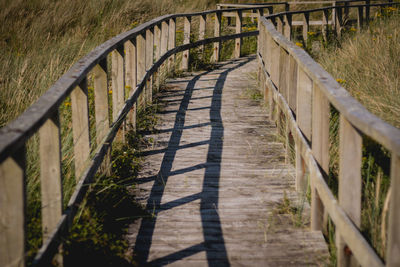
[215, 181]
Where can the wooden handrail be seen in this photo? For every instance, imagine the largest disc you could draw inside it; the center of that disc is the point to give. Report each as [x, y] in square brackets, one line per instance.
[302, 91]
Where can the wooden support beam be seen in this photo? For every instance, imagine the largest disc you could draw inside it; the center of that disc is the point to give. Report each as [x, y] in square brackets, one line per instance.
[117, 81]
[304, 104]
[157, 52]
[140, 64]
[50, 174]
[320, 149]
[260, 13]
[350, 184]
[186, 40]
[325, 24]
[275, 60]
[279, 24]
[164, 47]
[306, 25]
[130, 80]
[283, 72]
[360, 18]
[80, 127]
[287, 27]
[12, 210]
[393, 245]
[238, 27]
[171, 42]
[217, 31]
[149, 63]
[101, 100]
[202, 31]
[292, 84]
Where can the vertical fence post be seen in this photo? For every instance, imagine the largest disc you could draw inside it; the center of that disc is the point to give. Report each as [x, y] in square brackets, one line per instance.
[260, 13]
[80, 126]
[338, 20]
[360, 18]
[157, 52]
[217, 31]
[325, 24]
[320, 149]
[141, 63]
[292, 84]
[117, 77]
[101, 108]
[50, 174]
[202, 31]
[149, 63]
[279, 24]
[12, 210]
[306, 26]
[164, 47]
[350, 184]
[238, 41]
[186, 40]
[171, 42]
[130, 79]
[367, 11]
[287, 28]
[393, 245]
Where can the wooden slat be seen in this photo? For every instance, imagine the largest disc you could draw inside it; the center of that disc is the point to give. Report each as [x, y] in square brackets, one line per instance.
[279, 24]
[117, 81]
[301, 179]
[292, 84]
[304, 104]
[350, 184]
[275, 60]
[320, 149]
[260, 13]
[202, 30]
[186, 40]
[50, 175]
[141, 63]
[130, 79]
[12, 210]
[80, 127]
[217, 31]
[101, 100]
[287, 28]
[171, 42]
[283, 72]
[306, 25]
[164, 47]
[238, 27]
[393, 245]
[325, 23]
[157, 52]
[149, 62]
[360, 18]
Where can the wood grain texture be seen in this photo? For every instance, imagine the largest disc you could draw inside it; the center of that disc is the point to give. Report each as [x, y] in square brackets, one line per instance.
[217, 32]
[238, 29]
[186, 40]
[213, 178]
[393, 246]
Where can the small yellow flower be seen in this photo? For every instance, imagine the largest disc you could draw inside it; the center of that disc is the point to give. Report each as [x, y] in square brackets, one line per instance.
[311, 33]
[352, 29]
[373, 39]
[389, 36]
[299, 44]
[128, 87]
[341, 81]
[110, 92]
[67, 104]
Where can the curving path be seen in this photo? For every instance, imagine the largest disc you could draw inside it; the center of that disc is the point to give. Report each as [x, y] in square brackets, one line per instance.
[215, 180]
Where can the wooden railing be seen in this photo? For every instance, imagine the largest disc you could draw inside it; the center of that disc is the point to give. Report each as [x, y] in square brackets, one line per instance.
[135, 65]
[300, 93]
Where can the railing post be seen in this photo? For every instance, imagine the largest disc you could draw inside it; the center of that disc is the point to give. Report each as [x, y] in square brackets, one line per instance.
[80, 126]
[238, 41]
[102, 106]
[202, 31]
[164, 47]
[325, 24]
[217, 31]
[186, 40]
[130, 80]
[275, 60]
[320, 149]
[279, 24]
[306, 26]
[283, 72]
[287, 28]
[149, 63]
[50, 174]
[12, 210]
[367, 11]
[360, 18]
[171, 42]
[117, 77]
[260, 13]
[292, 84]
[350, 184]
[393, 245]
[157, 52]
[141, 63]
[338, 20]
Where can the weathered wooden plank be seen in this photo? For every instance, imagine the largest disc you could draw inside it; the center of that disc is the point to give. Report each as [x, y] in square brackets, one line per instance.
[350, 184]
[287, 27]
[325, 24]
[283, 72]
[217, 31]
[186, 40]
[171, 42]
[238, 41]
[80, 127]
[202, 30]
[117, 81]
[292, 84]
[320, 149]
[360, 18]
[164, 47]
[393, 245]
[140, 64]
[157, 52]
[12, 210]
[101, 100]
[304, 104]
[50, 175]
[306, 25]
[149, 63]
[275, 53]
[130, 80]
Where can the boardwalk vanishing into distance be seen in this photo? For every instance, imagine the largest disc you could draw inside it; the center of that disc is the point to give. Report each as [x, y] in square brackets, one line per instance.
[215, 178]
[227, 180]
